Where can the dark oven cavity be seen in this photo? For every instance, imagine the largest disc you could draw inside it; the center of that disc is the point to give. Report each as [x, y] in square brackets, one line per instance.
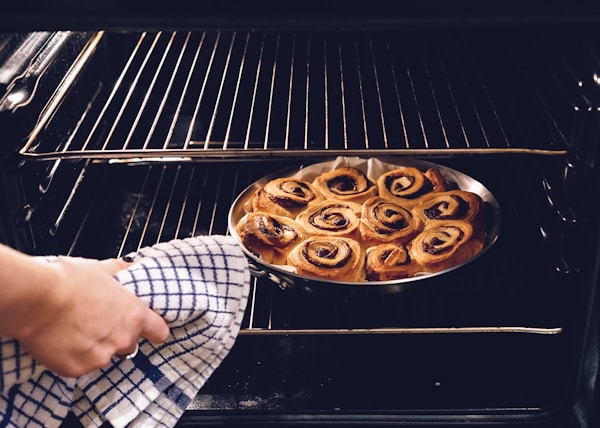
[145, 137]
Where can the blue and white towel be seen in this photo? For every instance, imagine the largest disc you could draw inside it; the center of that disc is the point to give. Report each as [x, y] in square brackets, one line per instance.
[200, 286]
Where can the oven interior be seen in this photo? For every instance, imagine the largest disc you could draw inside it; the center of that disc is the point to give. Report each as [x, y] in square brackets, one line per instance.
[115, 140]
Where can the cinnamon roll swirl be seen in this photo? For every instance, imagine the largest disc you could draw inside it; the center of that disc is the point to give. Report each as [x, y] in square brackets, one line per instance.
[384, 220]
[270, 236]
[386, 262]
[345, 184]
[438, 181]
[406, 185]
[331, 218]
[445, 244]
[285, 196]
[329, 258]
[452, 205]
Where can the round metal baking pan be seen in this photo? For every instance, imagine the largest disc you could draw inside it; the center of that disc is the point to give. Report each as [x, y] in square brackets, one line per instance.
[287, 279]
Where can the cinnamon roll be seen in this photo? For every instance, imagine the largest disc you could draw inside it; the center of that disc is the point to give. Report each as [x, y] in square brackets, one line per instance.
[406, 185]
[329, 258]
[438, 181]
[452, 205]
[285, 196]
[386, 262]
[384, 220]
[331, 218]
[270, 236]
[345, 184]
[445, 244]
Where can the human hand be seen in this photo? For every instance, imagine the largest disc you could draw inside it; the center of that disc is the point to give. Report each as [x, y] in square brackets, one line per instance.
[86, 318]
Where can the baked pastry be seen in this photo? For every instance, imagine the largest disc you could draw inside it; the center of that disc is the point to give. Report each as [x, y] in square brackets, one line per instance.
[285, 196]
[345, 184]
[329, 258]
[452, 205]
[406, 185]
[270, 236]
[445, 244]
[344, 227]
[386, 262]
[384, 220]
[331, 218]
[438, 181]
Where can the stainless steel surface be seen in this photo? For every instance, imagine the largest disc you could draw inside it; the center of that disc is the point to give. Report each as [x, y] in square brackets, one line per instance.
[18, 59]
[22, 88]
[454, 330]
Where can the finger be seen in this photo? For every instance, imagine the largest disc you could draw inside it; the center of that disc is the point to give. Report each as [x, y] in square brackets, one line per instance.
[156, 329]
[128, 353]
[114, 266]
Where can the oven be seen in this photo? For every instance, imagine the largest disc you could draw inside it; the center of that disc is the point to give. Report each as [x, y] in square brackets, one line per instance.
[127, 125]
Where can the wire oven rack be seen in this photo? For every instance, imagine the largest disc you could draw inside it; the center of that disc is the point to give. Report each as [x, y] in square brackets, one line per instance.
[224, 96]
[133, 207]
[293, 94]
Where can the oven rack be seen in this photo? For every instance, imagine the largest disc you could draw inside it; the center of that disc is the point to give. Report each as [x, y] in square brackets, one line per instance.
[116, 209]
[219, 95]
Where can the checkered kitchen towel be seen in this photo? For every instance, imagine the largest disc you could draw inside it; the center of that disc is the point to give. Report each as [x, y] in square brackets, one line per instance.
[200, 286]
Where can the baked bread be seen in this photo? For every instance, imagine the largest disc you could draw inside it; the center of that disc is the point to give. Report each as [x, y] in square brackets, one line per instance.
[407, 185]
[444, 244]
[329, 258]
[438, 181]
[384, 220]
[344, 227]
[386, 262]
[269, 236]
[331, 218]
[285, 196]
[345, 184]
[452, 205]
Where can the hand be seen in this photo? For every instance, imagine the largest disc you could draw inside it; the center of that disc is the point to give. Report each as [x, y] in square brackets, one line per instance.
[86, 318]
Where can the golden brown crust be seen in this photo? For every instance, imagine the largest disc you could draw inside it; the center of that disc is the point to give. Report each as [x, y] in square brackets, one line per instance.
[386, 262]
[345, 184]
[270, 236]
[405, 185]
[329, 258]
[331, 218]
[445, 244]
[419, 223]
[438, 181]
[285, 196]
[384, 220]
[452, 205]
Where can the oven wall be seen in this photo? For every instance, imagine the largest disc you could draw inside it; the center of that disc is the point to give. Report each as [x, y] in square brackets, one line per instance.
[132, 14]
[36, 234]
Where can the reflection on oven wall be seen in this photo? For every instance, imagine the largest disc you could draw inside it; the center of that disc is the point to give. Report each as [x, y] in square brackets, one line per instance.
[128, 139]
